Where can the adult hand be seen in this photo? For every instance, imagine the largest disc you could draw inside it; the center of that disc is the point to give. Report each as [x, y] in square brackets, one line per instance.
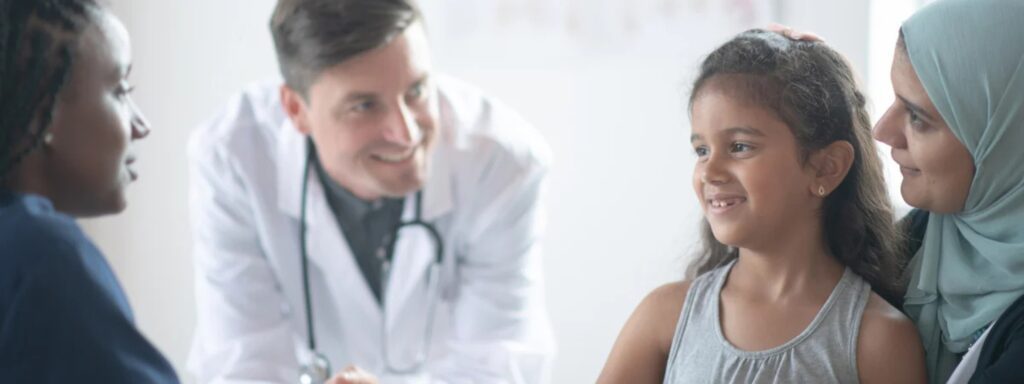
[793, 34]
[353, 375]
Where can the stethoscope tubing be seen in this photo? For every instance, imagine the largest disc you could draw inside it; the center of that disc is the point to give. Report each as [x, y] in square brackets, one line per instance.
[434, 278]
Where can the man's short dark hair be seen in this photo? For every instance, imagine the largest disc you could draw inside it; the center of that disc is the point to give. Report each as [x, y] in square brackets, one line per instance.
[313, 35]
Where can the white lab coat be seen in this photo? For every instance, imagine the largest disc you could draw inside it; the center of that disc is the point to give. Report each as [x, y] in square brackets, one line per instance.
[483, 195]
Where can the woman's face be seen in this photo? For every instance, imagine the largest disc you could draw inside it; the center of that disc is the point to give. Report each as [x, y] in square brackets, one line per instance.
[95, 123]
[937, 169]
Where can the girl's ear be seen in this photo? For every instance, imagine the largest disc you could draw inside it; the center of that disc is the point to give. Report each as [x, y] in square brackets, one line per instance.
[830, 165]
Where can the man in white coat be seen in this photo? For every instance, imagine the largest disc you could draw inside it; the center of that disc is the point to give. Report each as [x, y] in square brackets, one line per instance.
[296, 193]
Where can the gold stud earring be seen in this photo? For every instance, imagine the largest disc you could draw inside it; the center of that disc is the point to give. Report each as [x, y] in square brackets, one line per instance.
[821, 190]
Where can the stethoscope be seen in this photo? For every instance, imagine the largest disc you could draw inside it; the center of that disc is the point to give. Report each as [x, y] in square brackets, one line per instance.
[318, 369]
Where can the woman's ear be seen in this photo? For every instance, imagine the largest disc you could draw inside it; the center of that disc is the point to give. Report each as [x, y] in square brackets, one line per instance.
[830, 165]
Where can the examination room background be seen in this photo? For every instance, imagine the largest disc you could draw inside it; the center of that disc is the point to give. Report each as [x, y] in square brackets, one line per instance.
[604, 81]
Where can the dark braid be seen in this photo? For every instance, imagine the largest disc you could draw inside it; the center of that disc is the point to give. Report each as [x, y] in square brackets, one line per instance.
[38, 39]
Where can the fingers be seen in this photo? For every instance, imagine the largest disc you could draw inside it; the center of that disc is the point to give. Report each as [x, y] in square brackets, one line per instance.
[794, 34]
[353, 375]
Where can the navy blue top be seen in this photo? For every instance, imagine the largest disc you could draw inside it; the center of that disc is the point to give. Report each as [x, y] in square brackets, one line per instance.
[63, 315]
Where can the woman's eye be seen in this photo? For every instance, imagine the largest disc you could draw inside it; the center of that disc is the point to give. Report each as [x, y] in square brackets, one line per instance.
[124, 89]
[914, 119]
[701, 151]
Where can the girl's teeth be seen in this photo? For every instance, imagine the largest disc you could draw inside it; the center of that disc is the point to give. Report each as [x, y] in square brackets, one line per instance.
[394, 159]
[723, 203]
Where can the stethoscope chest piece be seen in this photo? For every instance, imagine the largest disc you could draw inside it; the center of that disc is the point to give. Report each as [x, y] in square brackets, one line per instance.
[317, 371]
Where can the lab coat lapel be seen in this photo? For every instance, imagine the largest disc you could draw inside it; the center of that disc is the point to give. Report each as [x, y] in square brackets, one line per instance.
[291, 163]
[414, 254]
[415, 249]
[328, 252]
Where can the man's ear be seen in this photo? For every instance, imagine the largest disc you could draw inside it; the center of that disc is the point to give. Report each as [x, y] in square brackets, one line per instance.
[831, 165]
[296, 108]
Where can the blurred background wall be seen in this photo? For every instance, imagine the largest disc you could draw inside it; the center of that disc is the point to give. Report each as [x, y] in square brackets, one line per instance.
[605, 81]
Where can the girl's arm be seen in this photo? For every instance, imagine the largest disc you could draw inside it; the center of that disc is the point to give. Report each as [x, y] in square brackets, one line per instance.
[641, 351]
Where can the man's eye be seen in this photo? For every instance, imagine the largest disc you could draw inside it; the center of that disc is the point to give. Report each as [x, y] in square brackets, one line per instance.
[363, 106]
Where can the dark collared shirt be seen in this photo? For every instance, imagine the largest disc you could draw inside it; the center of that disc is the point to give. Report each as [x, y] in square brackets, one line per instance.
[367, 226]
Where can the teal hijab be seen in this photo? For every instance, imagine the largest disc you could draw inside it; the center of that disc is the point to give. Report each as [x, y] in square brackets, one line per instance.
[969, 55]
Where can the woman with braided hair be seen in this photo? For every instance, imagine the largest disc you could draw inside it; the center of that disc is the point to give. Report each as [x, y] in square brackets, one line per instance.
[67, 124]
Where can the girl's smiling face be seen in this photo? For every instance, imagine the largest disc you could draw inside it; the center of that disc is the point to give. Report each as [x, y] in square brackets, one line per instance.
[750, 177]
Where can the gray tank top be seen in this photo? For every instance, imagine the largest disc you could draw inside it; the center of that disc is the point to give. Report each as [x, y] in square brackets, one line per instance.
[825, 352]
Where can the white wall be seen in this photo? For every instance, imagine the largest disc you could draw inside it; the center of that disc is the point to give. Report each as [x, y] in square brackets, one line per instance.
[606, 89]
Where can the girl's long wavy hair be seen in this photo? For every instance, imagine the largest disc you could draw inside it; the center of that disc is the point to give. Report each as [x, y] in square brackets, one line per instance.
[813, 90]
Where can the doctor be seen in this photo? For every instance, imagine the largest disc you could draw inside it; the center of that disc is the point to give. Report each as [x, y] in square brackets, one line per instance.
[367, 219]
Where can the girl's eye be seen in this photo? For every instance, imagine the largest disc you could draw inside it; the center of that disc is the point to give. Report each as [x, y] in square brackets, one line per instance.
[701, 151]
[740, 147]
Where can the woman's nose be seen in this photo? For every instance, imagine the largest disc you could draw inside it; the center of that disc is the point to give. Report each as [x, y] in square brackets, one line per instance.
[140, 125]
[888, 129]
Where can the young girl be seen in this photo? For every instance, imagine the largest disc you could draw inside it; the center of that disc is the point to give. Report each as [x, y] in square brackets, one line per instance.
[798, 231]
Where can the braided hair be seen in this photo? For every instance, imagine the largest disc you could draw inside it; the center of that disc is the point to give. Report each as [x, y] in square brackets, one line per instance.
[37, 46]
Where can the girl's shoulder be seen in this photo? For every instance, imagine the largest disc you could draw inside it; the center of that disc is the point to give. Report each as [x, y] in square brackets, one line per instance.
[660, 310]
[643, 345]
[657, 314]
[663, 305]
[888, 346]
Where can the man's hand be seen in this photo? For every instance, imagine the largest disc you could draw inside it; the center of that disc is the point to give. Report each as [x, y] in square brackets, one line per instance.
[353, 375]
[794, 35]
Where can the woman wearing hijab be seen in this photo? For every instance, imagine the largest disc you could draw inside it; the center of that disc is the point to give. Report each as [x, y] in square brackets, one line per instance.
[957, 131]
[67, 125]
